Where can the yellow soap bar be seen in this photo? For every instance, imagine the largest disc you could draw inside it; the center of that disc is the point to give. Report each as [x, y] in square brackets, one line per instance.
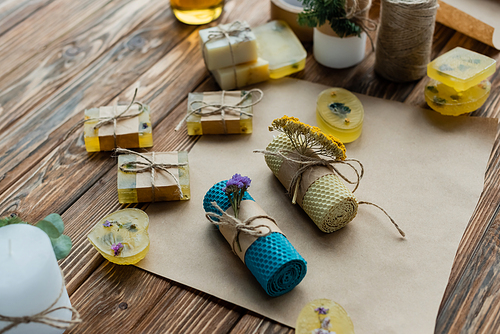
[323, 316]
[134, 132]
[217, 52]
[340, 114]
[122, 237]
[461, 69]
[234, 124]
[246, 74]
[447, 101]
[279, 45]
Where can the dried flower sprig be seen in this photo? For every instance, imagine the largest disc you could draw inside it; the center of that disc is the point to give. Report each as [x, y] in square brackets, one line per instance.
[235, 189]
[117, 248]
[306, 138]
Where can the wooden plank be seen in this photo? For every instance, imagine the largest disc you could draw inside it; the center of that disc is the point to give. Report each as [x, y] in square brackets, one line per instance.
[32, 35]
[256, 324]
[38, 78]
[13, 12]
[42, 130]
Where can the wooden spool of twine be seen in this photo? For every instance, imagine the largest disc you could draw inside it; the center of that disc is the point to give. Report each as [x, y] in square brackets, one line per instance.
[405, 39]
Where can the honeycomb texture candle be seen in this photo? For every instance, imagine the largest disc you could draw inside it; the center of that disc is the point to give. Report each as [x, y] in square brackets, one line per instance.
[272, 259]
[340, 114]
[278, 45]
[122, 236]
[461, 69]
[327, 201]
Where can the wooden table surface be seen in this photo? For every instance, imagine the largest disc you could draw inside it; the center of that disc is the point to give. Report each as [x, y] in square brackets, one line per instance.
[59, 57]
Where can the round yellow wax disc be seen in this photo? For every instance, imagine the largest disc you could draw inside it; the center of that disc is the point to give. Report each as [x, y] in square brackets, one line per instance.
[122, 237]
[323, 316]
[340, 114]
[447, 101]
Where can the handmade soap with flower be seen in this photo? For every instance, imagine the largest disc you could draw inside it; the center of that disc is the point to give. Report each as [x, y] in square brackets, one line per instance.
[459, 82]
[242, 75]
[153, 176]
[340, 113]
[323, 316]
[254, 236]
[306, 161]
[106, 128]
[228, 45]
[279, 45]
[221, 112]
[122, 237]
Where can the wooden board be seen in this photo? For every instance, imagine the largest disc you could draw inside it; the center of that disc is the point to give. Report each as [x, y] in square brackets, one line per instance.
[62, 56]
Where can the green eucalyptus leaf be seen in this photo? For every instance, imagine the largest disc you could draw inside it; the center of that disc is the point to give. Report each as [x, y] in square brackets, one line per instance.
[57, 221]
[62, 246]
[48, 228]
[11, 220]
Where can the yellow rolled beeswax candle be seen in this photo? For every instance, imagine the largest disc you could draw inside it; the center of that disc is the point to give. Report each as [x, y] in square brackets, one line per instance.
[278, 44]
[122, 237]
[246, 74]
[217, 51]
[340, 114]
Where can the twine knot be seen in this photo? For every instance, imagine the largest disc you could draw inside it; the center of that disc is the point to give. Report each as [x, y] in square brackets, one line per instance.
[150, 166]
[240, 226]
[222, 108]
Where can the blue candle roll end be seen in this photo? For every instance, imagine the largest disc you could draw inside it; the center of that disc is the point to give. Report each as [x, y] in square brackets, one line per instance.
[272, 259]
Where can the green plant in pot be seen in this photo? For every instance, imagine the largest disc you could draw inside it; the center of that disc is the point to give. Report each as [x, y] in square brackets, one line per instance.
[339, 33]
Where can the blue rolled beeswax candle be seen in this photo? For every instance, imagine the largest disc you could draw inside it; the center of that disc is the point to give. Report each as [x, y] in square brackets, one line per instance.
[272, 259]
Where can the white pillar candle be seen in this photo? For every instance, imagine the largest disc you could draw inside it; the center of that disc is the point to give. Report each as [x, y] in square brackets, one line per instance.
[30, 278]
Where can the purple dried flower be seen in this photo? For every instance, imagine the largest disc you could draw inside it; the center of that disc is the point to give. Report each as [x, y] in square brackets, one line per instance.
[321, 310]
[239, 181]
[117, 248]
[107, 223]
[145, 126]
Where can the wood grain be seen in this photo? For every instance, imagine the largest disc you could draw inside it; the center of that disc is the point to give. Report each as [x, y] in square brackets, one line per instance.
[13, 12]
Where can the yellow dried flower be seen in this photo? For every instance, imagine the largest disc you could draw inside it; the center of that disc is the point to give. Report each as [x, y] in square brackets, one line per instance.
[309, 138]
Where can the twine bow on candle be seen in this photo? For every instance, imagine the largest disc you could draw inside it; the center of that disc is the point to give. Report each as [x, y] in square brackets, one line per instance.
[235, 29]
[110, 119]
[238, 225]
[44, 317]
[222, 108]
[150, 166]
[307, 162]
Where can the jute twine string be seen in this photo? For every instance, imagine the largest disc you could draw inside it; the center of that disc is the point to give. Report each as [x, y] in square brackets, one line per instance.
[238, 225]
[222, 108]
[307, 162]
[44, 317]
[405, 39]
[235, 29]
[112, 119]
[149, 166]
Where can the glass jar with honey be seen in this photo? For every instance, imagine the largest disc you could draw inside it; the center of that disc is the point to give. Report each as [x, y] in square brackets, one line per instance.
[197, 12]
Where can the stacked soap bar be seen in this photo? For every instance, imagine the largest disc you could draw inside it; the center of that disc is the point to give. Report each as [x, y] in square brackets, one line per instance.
[236, 121]
[230, 53]
[340, 114]
[278, 45]
[138, 187]
[459, 82]
[132, 132]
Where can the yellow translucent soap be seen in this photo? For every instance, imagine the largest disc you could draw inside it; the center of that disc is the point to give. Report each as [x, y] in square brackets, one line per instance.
[122, 236]
[447, 101]
[143, 137]
[461, 69]
[323, 316]
[198, 125]
[340, 114]
[279, 45]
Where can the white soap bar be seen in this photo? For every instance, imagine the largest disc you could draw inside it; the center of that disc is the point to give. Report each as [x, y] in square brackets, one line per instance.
[217, 53]
[246, 74]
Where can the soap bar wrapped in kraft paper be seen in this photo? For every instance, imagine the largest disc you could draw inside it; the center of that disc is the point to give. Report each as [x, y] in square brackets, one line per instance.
[254, 236]
[305, 161]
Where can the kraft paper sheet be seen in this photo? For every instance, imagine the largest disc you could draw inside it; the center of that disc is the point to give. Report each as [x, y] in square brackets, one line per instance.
[479, 19]
[425, 169]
